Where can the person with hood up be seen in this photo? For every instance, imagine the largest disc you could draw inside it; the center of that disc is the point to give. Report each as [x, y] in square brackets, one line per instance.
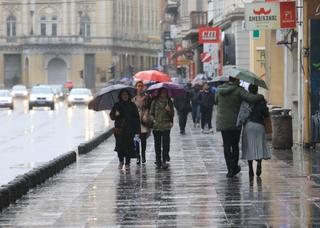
[126, 127]
[228, 99]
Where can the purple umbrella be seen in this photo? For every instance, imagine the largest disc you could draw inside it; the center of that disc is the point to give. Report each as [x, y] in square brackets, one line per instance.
[174, 89]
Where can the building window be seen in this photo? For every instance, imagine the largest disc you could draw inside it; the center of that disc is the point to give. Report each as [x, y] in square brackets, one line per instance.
[43, 26]
[54, 26]
[54, 30]
[11, 26]
[85, 29]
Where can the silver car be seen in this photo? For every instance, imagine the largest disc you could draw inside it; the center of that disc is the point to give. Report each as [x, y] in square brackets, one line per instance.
[42, 96]
[79, 96]
[19, 91]
[6, 99]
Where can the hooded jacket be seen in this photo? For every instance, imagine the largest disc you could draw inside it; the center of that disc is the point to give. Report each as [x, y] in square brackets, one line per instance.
[228, 99]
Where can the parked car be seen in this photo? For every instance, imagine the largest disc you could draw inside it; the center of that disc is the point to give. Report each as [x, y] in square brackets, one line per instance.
[42, 96]
[79, 96]
[19, 91]
[6, 99]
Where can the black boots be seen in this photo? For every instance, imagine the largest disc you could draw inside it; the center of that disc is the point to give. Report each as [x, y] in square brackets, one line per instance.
[251, 173]
[258, 172]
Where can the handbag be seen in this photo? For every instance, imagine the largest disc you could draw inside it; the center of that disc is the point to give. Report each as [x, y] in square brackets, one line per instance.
[147, 120]
[268, 124]
[118, 130]
[244, 113]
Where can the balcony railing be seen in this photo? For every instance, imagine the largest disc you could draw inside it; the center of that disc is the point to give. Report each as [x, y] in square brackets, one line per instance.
[198, 19]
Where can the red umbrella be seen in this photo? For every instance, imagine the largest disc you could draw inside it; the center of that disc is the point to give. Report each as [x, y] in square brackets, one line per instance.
[152, 75]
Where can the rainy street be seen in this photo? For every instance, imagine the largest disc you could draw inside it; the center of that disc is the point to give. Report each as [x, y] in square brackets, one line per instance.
[30, 138]
[193, 192]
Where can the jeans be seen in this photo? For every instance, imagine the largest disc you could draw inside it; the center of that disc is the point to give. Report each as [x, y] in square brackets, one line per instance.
[161, 145]
[231, 148]
[206, 117]
[195, 113]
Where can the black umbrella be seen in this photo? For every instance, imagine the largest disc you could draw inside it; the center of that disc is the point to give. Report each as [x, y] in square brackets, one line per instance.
[105, 98]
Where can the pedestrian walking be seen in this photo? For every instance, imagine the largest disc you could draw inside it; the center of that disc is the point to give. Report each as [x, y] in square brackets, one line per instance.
[228, 98]
[183, 107]
[194, 93]
[254, 139]
[126, 127]
[206, 100]
[142, 102]
[162, 113]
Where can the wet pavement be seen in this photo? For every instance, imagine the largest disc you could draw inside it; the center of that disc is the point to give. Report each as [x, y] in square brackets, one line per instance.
[193, 192]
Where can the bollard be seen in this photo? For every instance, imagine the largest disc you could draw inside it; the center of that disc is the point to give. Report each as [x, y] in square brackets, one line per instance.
[5, 196]
[281, 129]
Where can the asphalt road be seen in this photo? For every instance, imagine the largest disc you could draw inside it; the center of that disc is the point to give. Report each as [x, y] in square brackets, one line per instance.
[29, 138]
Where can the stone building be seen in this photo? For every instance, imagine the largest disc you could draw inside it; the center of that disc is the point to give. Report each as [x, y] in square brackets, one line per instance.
[87, 42]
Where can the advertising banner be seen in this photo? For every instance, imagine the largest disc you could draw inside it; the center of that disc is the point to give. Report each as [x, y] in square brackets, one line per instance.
[209, 35]
[262, 16]
[287, 15]
[210, 58]
[270, 15]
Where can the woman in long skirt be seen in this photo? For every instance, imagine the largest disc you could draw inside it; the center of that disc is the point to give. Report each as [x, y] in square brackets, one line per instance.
[254, 139]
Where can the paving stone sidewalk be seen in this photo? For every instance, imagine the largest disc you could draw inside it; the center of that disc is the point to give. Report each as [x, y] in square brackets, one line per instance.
[193, 192]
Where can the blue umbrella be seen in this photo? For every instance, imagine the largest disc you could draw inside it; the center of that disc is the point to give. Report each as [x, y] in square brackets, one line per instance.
[105, 98]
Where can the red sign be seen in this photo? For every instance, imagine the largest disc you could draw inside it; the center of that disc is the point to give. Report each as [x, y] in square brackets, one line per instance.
[287, 15]
[205, 57]
[209, 35]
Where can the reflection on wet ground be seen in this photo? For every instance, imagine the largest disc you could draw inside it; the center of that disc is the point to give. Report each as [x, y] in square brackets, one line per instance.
[193, 192]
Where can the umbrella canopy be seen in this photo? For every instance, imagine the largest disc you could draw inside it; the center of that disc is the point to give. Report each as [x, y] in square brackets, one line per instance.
[174, 89]
[105, 98]
[246, 76]
[152, 75]
[218, 80]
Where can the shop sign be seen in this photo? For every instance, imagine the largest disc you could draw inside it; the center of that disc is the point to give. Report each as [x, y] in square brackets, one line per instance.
[270, 15]
[209, 35]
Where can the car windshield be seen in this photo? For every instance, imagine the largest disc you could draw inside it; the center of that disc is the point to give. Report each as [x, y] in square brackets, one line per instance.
[4, 93]
[41, 90]
[19, 88]
[80, 91]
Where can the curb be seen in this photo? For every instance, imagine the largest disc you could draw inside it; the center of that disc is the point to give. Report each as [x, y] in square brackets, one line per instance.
[15, 189]
[85, 148]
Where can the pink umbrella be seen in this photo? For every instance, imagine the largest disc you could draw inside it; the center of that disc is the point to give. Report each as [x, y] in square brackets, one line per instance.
[152, 75]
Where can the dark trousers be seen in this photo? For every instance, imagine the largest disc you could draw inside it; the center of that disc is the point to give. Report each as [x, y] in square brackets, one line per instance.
[195, 113]
[231, 148]
[161, 145]
[183, 116]
[143, 139]
[206, 117]
[122, 158]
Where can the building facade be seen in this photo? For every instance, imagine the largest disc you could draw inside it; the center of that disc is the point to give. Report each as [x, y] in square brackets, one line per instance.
[87, 42]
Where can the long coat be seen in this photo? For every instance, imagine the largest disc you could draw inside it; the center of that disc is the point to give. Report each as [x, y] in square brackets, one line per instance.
[228, 99]
[129, 123]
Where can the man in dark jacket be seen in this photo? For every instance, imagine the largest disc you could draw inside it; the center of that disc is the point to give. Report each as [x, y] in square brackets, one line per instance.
[183, 106]
[206, 101]
[228, 98]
